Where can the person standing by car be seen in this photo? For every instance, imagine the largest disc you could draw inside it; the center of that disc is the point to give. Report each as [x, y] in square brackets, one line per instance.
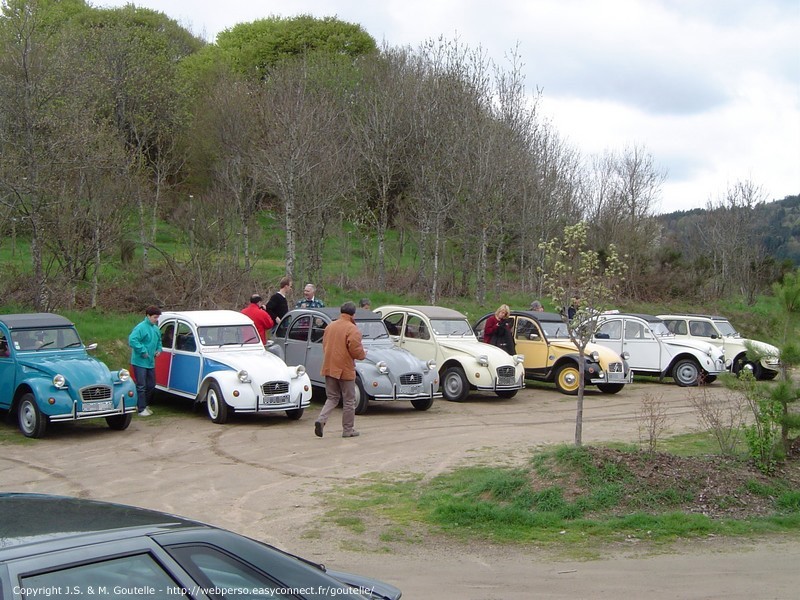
[536, 306]
[259, 316]
[277, 305]
[498, 329]
[145, 343]
[310, 299]
[341, 347]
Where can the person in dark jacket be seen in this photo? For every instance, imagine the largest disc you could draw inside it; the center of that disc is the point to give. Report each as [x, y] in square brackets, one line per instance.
[498, 330]
[277, 305]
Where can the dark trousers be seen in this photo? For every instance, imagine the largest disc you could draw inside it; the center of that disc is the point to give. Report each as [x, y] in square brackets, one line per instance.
[145, 386]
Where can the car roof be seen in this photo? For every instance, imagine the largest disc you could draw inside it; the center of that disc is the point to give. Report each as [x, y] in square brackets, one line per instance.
[544, 317]
[31, 518]
[210, 317]
[32, 320]
[694, 316]
[650, 318]
[362, 314]
[432, 312]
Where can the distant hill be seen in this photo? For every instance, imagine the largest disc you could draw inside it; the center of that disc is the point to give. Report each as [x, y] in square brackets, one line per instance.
[778, 223]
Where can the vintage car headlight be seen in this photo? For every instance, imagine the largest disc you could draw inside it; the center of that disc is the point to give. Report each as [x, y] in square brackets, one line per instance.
[300, 370]
[625, 356]
[60, 381]
[124, 375]
[710, 352]
[382, 366]
[483, 360]
[431, 364]
[519, 359]
[595, 356]
[243, 376]
[772, 360]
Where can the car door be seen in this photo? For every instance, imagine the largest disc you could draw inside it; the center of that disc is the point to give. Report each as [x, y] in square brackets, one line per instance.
[297, 342]
[642, 346]
[184, 373]
[164, 360]
[532, 344]
[417, 338]
[314, 354]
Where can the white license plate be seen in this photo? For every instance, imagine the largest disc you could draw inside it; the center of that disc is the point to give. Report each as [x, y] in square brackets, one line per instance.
[282, 399]
[98, 406]
[410, 389]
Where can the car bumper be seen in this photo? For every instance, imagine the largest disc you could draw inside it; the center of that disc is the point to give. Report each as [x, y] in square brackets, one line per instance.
[403, 392]
[76, 415]
[612, 378]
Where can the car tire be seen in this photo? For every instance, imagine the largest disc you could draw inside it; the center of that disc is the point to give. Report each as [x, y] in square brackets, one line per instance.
[119, 422]
[568, 379]
[32, 423]
[215, 404]
[769, 375]
[610, 388]
[362, 399]
[294, 414]
[423, 404]
[507, 393]
[686, 372]
[455, 386]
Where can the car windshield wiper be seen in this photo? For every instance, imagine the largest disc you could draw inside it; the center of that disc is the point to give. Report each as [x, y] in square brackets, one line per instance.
[44, 345]
[382, 335]
[70, 345]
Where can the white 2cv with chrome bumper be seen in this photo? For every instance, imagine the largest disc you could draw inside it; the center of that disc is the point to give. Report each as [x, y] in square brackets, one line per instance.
[216, 357]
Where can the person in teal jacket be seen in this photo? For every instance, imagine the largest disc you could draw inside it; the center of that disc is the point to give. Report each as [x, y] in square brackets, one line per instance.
[145, 343]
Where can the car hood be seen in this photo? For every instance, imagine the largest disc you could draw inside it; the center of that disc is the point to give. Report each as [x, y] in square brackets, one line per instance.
[475, 348]
[398, 359]
[761, 347]
[254, 362]
[79, 369]
[607, 355]
[374, 589]
[679, 343]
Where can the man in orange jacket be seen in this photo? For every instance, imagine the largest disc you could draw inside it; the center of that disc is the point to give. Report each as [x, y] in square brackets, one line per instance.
[341, 345]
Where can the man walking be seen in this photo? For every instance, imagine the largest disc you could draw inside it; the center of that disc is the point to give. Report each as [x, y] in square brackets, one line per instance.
[145, 343]
[341, 345]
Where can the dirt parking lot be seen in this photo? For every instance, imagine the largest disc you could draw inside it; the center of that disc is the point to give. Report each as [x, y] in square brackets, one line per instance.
[261, 476]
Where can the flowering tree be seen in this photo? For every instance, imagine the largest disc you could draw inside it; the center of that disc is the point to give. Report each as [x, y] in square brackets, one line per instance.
[583, 282]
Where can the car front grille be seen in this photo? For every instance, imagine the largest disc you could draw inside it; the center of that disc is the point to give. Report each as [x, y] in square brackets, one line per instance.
[95, 393]
[506, 375]
[270, 388]
[615, 367]
[411, 379]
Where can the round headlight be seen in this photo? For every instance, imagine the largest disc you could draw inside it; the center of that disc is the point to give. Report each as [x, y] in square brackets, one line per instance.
[382, 366]
[595, 356]
[483, 360]
[124, 375]
[431, 365]
[301, 370]
[243, 376]
[625, 356]
[519, 359]
[59, 381]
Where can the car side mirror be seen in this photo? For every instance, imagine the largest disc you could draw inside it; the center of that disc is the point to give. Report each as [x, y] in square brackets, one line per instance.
[395, 338]
[91, 347]
[533, 336]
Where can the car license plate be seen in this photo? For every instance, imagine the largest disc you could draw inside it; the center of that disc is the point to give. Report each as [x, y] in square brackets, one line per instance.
[98, 406]
[616, 376]
[506, 381]
[282, 399]
[410, 389]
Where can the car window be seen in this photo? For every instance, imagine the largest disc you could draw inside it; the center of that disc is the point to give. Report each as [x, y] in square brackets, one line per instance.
[300, 328]
[451, 327]
[4, 351]
[318, 326]
[280, 330]
[555, 330]
[634, 330]
[167, 335]
[417, 329]
[610, 330]
[526, 328]
[184, 338]
[394, 323]
[124, 578]
[701, 329]
[215, 570]
[51, 339]
[677, 326]
[372, 330]
[228, 335]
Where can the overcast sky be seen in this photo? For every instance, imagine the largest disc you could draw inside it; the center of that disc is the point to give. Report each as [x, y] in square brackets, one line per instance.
[711, 88]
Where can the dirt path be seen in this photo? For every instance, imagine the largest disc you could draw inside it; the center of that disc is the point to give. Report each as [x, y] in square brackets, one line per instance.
[261, 476]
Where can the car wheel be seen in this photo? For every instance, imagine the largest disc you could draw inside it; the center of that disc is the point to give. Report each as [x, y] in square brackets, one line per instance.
[295, 413]
[32, 423]
[610, 388]
[362, 399]
[119, 422]
[686, 372]
[507, 393]
[738, 364]
[709, 379]
[215, 404]
[769, 374]
[758, 371]
[568, 379]
[455, 386]
[423, 404]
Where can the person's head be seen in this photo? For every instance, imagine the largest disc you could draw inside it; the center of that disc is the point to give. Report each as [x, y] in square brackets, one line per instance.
[285, 283]
[309, 291]
[348, 308]
[255, 299]
[364, 303]
[152, 312]
[537, 306]
[502, 312]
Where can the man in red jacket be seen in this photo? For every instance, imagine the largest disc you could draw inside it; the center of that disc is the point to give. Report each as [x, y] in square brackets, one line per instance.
[259, 316]
[341, 345]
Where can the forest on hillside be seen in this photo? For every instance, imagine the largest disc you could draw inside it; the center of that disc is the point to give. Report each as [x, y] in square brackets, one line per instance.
[139, 161]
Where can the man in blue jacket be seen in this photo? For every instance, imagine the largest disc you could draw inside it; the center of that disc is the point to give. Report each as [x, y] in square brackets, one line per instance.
[145, 343]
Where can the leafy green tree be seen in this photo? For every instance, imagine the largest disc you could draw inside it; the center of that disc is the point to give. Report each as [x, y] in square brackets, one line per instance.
[573, 271]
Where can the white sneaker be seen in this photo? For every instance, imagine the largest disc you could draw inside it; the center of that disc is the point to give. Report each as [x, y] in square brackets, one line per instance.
[145, 413]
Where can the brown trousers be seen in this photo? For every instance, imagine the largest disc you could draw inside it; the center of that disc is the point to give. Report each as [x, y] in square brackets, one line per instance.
[336, 390]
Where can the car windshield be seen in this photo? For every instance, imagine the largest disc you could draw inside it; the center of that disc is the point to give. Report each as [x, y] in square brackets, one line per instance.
[56, 338]
[372, 330]
[660, 329]
[555, 330]
[229, 335]
[452, 327]
[726, 329]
